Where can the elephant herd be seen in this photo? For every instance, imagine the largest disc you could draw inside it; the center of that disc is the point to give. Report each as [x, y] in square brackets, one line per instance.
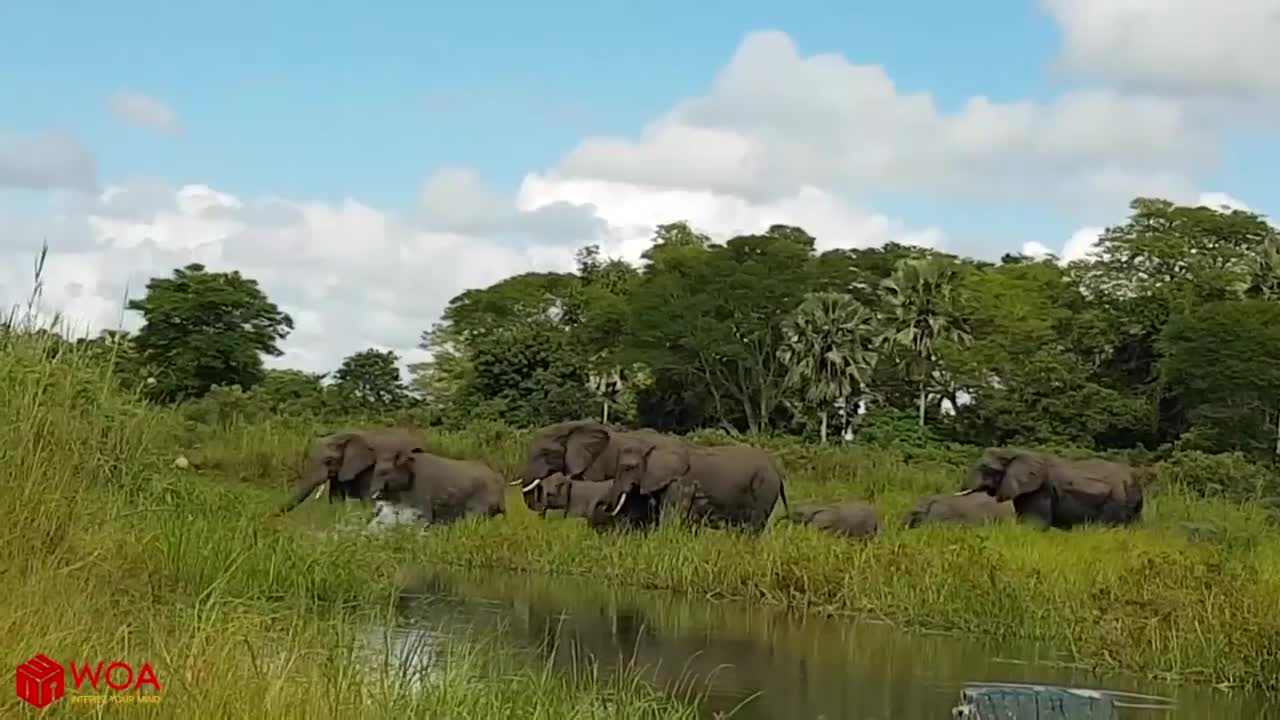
[629, 479]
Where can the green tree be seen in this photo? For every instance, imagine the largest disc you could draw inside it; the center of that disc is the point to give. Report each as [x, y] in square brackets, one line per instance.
[511, 352]
[289, 391]
[711, 315]
[370, 379]
[828, 349]
[203, 328]
[1223, 361]
[1025, 381]
[1165, 260]
[922, 314]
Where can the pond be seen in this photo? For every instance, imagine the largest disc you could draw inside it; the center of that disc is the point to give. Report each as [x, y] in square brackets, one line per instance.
[761, 662]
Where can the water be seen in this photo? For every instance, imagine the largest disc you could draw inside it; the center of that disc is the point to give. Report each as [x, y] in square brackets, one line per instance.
[764, 662]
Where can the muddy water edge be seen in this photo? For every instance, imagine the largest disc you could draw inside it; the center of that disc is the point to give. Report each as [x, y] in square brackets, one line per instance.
[752, 661]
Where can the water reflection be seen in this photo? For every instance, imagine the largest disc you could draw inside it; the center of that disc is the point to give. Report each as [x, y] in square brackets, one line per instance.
[762, 662]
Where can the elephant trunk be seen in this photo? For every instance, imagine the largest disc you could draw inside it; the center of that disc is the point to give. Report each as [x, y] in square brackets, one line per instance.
[300, 493]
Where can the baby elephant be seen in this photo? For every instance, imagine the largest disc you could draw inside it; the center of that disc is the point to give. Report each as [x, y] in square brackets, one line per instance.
[851, 520]
[574, 497]
[971, 509]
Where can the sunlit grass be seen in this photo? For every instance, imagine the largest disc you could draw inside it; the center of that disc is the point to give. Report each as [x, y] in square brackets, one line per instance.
[110, 553]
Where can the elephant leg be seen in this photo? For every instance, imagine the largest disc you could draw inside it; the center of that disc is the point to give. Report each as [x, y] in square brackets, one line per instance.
[1035, 509]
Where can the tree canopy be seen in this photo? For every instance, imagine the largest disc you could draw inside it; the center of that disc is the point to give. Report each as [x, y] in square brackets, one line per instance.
[1166, 335]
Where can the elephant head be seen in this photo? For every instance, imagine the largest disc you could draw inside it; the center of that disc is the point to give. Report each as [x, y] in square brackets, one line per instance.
[569, 448]
[393, 472]
[349, 461]
[1006, 474]
[646, 469]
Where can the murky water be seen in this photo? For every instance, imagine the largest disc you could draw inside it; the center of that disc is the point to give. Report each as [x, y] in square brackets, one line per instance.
[760, 661]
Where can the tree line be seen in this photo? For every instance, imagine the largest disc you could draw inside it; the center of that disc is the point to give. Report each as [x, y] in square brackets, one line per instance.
[1166, 336]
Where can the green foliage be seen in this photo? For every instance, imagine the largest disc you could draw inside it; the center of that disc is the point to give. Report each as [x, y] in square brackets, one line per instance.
[1222, 360]
[206, 328]
[1226, 474]
[1160, 339]
[370, 381]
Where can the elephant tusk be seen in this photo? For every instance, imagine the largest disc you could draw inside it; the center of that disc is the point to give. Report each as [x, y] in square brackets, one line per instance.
[515, 482]
[965, 492]
[618, 508]
[531, 485]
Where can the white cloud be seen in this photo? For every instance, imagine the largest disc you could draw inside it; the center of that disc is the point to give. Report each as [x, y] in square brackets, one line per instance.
[775, 121]
[1188, 48]
[633, 210]
[351, 275]
[778, 138]
[45, 161]
[354, 276]
[144, 112]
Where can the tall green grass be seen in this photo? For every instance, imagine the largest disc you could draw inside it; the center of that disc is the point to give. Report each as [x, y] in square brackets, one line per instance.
[1148, 599]
[109, 552]
[112, 550]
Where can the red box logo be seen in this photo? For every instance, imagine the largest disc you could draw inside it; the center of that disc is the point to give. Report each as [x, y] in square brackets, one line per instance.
[40, 680]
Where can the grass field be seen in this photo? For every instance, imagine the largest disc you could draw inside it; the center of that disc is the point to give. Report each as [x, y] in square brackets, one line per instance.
[112, 553]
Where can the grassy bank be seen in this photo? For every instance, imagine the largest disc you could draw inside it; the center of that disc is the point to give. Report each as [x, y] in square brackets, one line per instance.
[111, 554]
[1148, 599]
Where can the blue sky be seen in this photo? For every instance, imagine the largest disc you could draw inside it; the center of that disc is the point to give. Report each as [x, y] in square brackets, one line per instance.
[309, 100]
[315, 103]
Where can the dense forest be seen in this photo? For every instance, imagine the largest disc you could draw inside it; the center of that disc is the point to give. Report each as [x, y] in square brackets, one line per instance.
[1167, 336]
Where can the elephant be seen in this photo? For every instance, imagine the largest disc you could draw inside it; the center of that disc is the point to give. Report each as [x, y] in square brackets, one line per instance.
[969, 509]
[852, 520]
[574, 497]
[347, 461]
[581, 450]
[1050, 491]
[440, 489]
[727, 485]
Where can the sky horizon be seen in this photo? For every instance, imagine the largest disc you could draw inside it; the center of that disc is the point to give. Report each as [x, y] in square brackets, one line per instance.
[367, 167]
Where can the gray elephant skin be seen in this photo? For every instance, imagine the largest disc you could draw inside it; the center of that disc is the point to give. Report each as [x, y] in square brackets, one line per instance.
[855, 520]
[967, 509]
[441, 489]
[1050, 491]
[575, 497]
[347, 461]
[583, 450]
[722, 486]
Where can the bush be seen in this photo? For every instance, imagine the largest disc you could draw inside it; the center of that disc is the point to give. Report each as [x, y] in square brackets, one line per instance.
[1229, 475]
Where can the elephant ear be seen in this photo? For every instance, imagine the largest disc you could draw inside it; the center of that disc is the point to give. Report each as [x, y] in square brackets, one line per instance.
[663, 465]
[357, 455]
[584, 445]
[1023, 475]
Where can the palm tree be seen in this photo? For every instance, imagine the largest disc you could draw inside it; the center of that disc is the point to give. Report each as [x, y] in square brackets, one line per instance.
[922, 302]
[828, 350]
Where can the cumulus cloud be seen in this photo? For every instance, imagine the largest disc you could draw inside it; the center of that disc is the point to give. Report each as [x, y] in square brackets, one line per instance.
[633, 210]
[45, 161]
[778, 138]
[351, 275]
[354, 276]
[775, 121]
[1176, 47]
[144, 112]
